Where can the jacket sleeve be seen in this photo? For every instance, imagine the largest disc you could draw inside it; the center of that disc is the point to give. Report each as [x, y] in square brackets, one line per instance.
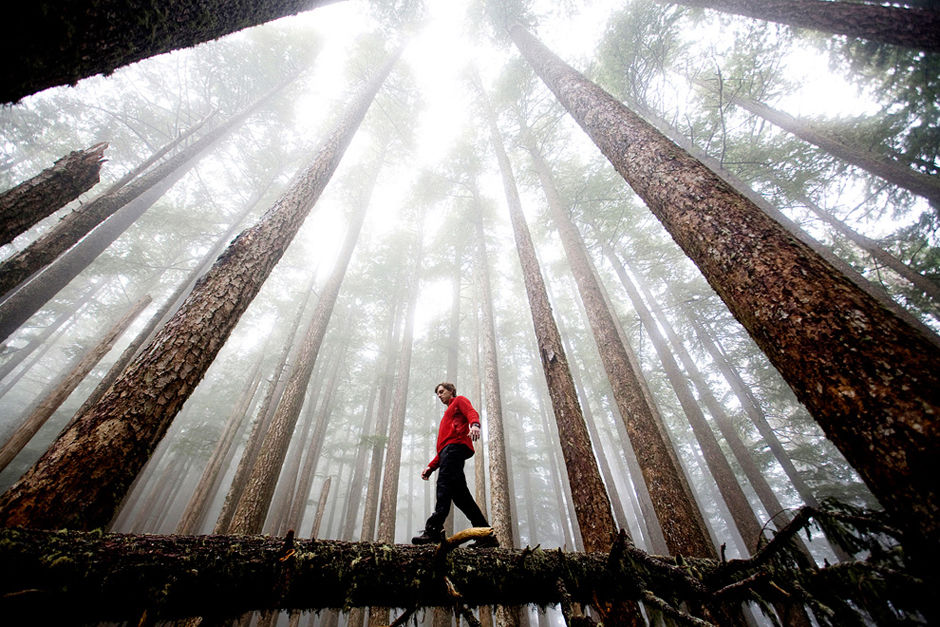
[434, 463]
[473, 418]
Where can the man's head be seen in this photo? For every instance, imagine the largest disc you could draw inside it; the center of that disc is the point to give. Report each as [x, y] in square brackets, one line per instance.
[445, 391]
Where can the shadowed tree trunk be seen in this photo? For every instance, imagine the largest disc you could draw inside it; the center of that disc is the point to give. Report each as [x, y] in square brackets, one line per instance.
[868, 379]
[354, 499]
[51, 402]
[676, 511]
[80, 481]
[591, 503]
[38, 272]
[56, 44]
[32, 200]
[900, 26]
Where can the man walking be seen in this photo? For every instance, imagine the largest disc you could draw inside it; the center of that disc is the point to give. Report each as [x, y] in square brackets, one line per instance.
[460, 427]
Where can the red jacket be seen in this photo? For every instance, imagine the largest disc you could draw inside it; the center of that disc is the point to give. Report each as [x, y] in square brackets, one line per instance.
[455, 427]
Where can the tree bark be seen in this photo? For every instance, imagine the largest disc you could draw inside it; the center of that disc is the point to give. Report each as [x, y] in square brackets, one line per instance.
[679, 518]
[51, 401]
[38, 272]
[80, 481]
[868, 379]
[32, 200]
[899, 26]
[57, 44]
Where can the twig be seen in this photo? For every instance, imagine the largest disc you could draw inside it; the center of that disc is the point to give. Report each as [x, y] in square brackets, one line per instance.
[401, 620]
[667, 608]
[468, 615]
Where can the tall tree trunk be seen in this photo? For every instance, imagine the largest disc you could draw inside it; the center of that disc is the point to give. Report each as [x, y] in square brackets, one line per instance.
[264, 415]
[894, 172]
[51, 402]
[321, 507]
[591, 503]
[38, 272]
[253, 505]
[57, 44]
[388, 506]
[681, 522]
[354, 498]
[869, 380]
[500, 514]
[80, 481]
[900, 26]
[195, 512]
[32, 200]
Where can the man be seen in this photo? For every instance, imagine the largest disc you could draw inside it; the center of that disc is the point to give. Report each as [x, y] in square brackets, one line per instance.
[460, 427]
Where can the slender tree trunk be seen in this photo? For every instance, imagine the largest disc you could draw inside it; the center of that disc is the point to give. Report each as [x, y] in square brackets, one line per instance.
[51, 402]
[681, 522]
[899, 26]
[354, 499]
[38, 272]
[592, 505]
[500, 514]
[253, 505]
[894, 172]
[40, 338]
[388, 506]
[869, 380]
[32, 200]
[195, 512]
[263, 420]
[926, 285]
[321, 506]
[441, 617]
[57, 44]
[81, 479]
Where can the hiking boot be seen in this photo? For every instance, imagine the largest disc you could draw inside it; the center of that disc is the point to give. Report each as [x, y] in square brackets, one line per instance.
[428, 536]
[486, 542]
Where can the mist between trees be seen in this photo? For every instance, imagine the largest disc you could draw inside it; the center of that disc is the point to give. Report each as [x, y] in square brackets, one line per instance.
[682, 257]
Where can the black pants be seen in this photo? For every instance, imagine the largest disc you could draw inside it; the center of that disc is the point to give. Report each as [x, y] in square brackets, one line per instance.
[452, 487]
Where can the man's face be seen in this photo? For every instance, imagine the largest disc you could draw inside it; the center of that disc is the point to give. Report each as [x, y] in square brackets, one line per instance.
[444, 394]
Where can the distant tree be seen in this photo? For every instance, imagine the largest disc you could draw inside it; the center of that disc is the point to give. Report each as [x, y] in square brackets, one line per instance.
[32, 200]
[867, 378]
[901, 26]
[80, 481]
[55, 44]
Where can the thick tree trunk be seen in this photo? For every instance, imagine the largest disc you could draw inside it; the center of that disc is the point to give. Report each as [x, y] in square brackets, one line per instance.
[874, 290]
[894, 172]
[869, 379]
[51, 401]
[679, 518]
[32, 200]
[900, 26]
[57, 44]
[168, 307]
[38, 272]
[80, 481]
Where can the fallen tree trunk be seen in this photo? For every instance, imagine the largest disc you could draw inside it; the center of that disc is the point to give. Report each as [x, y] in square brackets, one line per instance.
[74, 577]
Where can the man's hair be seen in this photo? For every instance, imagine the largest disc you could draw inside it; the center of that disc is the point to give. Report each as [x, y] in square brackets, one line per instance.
[446, 386]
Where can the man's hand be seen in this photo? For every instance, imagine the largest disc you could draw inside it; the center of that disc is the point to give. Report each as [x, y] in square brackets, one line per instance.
[426, 473]
[474, 432]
